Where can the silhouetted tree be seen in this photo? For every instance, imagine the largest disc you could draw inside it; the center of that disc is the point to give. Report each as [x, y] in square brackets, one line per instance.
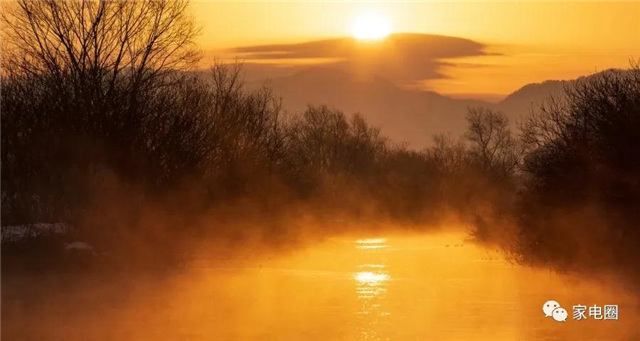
[451, 156]
[86, 86]
[583, 167]
[491, 143]
[249, 131]
[324, 144]
[90, 46]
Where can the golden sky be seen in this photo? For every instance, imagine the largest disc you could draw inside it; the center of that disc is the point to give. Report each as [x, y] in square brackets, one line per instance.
[523, 42]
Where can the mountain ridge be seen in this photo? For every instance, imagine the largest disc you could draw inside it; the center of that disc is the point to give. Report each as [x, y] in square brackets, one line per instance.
[404, 115]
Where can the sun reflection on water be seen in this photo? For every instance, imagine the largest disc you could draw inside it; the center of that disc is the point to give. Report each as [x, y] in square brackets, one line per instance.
[371, 243]
[372, 279]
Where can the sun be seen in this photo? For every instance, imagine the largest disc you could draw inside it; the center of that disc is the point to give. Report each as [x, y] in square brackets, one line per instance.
[370, 26]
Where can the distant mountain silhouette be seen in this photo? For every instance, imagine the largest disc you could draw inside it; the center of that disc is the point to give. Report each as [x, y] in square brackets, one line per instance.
[531, 96]
[409, 116]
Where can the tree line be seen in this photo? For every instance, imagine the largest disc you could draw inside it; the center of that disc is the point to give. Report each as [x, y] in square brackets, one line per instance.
[102, 92]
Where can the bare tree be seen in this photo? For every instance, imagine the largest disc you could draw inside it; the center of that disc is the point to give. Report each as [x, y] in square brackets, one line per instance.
[583, 167]
[247, 123]
[449, 155]
[98, 61]
[85, 86]
[491, 142]
[96, 43]
[318, 137]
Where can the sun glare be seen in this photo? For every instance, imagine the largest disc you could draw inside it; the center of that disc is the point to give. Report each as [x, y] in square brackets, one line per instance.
[370, 278]
[370, 26]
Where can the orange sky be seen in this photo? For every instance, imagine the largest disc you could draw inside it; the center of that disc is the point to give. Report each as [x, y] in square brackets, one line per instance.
[525, 41]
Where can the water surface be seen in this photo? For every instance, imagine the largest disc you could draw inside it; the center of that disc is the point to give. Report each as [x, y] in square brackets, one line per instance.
[419, 287]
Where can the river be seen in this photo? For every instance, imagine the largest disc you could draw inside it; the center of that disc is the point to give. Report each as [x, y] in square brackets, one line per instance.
[383, 287]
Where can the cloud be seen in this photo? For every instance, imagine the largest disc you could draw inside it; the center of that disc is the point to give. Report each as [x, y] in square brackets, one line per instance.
[404, 59]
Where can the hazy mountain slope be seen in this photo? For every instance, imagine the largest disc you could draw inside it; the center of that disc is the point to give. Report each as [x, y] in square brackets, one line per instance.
[532, 96]
[403, 115]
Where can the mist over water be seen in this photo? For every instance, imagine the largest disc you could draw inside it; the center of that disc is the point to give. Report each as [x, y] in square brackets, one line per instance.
[146, 200]
[361, 287]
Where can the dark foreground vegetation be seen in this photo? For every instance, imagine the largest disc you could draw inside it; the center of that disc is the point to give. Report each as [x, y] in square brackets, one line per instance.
[104, 127]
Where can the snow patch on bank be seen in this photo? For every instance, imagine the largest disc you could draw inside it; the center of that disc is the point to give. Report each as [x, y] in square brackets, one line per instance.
[15, 233]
